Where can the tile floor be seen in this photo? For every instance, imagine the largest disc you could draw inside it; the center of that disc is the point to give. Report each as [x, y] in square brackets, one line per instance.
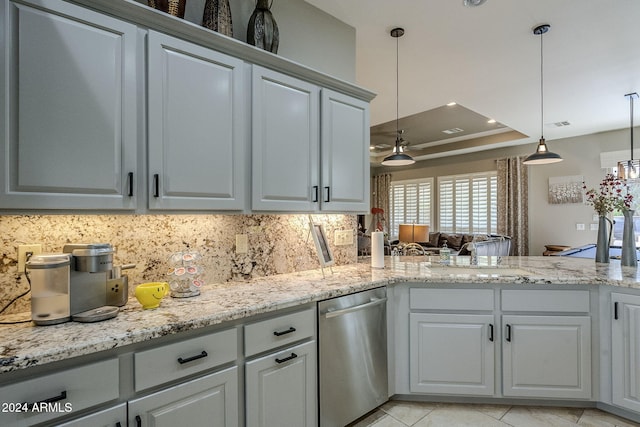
[413, 414]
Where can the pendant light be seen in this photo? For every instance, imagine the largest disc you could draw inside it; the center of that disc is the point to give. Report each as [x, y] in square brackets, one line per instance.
[542, 155]
[397, 157]
[630, 169]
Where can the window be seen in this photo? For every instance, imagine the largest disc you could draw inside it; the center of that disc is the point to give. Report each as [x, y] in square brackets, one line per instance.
[410, 202]
[468, 203]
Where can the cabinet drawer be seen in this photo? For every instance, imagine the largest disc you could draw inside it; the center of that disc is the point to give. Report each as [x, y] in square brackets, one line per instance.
[545, 300]
[282, 330]
[451, 299]
[73, 389]
[173, 361]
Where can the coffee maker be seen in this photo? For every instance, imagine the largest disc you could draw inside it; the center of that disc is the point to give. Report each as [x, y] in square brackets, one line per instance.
[86, 285]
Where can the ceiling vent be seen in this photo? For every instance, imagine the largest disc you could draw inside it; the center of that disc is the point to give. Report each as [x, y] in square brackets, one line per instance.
[561, 124]
[452, 131]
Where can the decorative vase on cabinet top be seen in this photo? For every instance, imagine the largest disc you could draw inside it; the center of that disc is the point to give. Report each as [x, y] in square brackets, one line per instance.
[172, 7]
[262, 30]
[217, 17]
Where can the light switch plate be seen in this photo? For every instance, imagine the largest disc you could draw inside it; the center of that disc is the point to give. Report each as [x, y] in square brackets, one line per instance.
[242, 243]
[343, 237]
[580, 227]
[593, 226]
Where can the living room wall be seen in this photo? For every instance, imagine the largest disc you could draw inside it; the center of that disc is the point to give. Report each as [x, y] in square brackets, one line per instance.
[548, 223]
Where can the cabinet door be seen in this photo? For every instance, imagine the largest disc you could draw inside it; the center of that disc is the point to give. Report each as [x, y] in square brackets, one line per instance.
[625, 352]
[345, 153]
[547, 356]
[68, 108]
[211, 400]
[451, 353]
[281, 388]
[196, 127]
[112, 417]
[285, 139]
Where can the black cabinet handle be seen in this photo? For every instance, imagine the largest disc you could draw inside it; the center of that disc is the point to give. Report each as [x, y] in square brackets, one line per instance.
[288, 331]
[130, 184]
[61, 396]
[615, 310]
[156, 185]
[192, 358]
[138, 421]
[508, 336]
[328, 199]
[286, 359]
[315, 193]
[491, 332]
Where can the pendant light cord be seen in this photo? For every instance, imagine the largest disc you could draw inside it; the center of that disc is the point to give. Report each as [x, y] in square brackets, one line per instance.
[397, 94]
[631, 115]
[541, 89]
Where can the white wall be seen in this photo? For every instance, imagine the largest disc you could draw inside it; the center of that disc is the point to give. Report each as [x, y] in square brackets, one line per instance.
[308, 35]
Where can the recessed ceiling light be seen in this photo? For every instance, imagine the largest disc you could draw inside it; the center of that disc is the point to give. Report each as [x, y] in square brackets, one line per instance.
[491, 121]
[451, 104]
[453, 130]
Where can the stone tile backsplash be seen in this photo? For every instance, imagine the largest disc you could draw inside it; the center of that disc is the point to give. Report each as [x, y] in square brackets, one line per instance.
[277, 244]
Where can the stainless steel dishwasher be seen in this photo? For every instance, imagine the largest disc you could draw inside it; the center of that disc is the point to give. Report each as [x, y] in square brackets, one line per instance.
[352, 356]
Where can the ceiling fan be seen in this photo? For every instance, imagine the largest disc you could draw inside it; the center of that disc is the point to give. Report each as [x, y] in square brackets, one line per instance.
[388, 147]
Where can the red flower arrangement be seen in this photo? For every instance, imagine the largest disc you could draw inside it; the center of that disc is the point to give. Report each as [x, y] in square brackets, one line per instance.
[613, 195]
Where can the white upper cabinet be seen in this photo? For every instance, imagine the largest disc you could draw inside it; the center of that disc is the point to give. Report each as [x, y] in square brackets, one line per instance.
[196, 126]
[345, 153]
[68, 108]
[285, 145]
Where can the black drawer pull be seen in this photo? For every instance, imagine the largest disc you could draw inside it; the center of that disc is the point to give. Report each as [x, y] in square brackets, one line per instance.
[138, 421]
[288, 331]
[615, 310]
[286, 359]
[192, 358]
[491, 332]
[508, 337]
[130, 184]
[61, 396]
[315, 196]
[328, 199]
[156, 185]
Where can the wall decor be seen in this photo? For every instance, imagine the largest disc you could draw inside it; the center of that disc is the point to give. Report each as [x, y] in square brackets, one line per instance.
[262, 30]
[565, 189]
[217, 17]
[172, 7]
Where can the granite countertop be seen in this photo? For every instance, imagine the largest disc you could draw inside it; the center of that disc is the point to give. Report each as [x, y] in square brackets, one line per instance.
[24, 345]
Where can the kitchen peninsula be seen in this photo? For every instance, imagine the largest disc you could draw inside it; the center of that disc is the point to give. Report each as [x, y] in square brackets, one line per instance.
[601, 296]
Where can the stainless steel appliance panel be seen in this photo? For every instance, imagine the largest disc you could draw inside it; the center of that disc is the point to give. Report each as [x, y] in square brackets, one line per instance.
[352, 356]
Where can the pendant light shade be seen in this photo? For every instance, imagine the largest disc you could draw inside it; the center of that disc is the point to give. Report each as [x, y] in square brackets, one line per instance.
[542, 155]
[630, 169]
[397, 157]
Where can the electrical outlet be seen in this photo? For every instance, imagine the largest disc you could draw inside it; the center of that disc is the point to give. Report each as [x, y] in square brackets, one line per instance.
[35, 249]
[343, 237]
[242, 243]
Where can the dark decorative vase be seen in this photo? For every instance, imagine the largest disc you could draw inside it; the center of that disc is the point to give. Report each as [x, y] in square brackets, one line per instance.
[602, 245]
[629, 256]
[262, 30]
[217, 17]
[172, 7]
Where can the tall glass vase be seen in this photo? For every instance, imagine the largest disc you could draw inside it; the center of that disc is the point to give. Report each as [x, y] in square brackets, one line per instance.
[604, 238]
[629, 256]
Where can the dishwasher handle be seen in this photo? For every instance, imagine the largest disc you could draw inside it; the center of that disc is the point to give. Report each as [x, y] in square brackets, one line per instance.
[373, 302]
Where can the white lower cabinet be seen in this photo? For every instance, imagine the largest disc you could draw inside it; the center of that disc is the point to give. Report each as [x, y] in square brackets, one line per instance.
[625, 351]
[547, 356]
[111, 417]
[281, 388]
[209, 400]
[452, 353]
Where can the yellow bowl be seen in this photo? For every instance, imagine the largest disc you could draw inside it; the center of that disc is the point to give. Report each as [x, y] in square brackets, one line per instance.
[150, 294]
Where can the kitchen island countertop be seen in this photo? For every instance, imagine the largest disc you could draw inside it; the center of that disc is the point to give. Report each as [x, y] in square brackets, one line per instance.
[25, 345]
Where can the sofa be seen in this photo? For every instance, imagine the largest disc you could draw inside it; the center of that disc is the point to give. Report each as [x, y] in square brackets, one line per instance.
[458, 243]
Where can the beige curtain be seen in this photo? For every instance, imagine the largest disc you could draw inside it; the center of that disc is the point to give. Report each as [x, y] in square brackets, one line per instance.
[380, 185]
[513, 203]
